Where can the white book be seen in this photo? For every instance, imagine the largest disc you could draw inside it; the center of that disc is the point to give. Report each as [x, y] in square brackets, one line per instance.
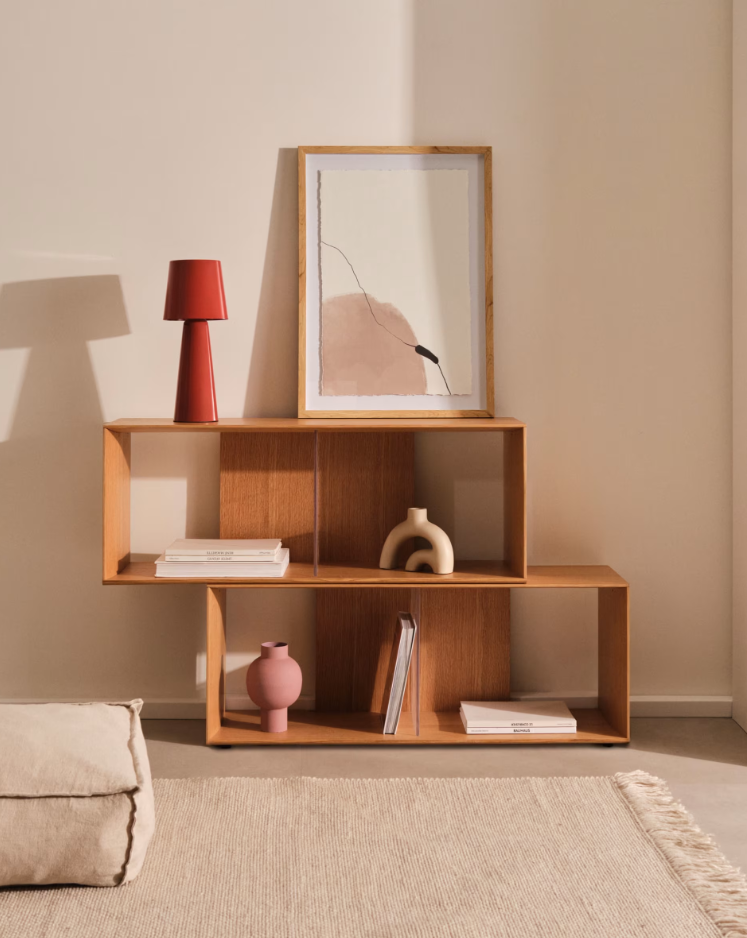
[211, 570]
[208, 548]
[274, 557]
[519, 714]
[399, 666]
[515, 730]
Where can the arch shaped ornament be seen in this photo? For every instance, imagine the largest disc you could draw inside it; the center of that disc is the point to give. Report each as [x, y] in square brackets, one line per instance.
[440, 555]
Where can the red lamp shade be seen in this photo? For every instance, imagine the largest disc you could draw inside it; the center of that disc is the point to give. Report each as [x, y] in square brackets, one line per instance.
[195, 295]
[195, 291]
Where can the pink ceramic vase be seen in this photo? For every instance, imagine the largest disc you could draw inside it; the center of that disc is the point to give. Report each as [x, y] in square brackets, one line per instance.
[273, 681]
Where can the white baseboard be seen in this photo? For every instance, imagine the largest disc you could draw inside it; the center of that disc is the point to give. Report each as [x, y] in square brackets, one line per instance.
[574, 700]
[640, 706]
[690, 706]
[155, 709]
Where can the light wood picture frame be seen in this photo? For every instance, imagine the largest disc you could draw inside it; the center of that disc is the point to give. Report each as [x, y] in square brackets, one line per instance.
[454, 262]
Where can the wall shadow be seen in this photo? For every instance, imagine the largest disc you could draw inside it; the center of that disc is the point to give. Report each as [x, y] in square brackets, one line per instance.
[269, 392]
[65, 636]
[50, 466]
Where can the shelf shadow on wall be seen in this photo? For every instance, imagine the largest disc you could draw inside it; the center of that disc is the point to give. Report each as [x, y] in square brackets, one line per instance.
[50, 466]
[271, 390]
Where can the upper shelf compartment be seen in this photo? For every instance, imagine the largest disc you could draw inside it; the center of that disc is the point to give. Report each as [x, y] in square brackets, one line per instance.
[331, 489]
[308, 425]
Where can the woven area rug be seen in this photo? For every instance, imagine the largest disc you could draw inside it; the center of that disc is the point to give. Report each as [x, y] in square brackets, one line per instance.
[465, 858]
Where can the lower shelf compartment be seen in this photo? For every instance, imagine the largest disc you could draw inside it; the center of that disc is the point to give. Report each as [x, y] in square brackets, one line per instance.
[310, 728]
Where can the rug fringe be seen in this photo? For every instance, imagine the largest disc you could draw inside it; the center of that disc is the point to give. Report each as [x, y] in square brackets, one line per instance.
[720, 889]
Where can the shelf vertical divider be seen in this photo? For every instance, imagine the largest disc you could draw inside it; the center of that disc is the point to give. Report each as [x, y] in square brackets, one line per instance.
[515, 501]
[415, 663]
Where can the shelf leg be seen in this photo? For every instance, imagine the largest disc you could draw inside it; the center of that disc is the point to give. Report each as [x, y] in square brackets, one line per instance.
[415, 663]
[215, 661]
[614, 657]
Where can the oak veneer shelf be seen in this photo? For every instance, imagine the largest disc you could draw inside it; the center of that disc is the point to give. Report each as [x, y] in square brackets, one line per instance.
[353, 643]
[311, 728]
[309, 424]
[483, 573]
[272, 470]
[332, 489]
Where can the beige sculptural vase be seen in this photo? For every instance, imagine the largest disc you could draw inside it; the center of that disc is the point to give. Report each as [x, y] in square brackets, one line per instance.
[440, 555]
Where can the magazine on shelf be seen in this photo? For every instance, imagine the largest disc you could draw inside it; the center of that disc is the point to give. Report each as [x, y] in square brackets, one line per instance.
[510, 715]
[399, 667]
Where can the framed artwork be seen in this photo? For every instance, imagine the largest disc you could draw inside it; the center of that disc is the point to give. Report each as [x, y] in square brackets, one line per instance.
[396, 282]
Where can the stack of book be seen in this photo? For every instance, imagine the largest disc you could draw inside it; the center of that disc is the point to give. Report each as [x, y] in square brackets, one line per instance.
[503, 717]
[200, 558]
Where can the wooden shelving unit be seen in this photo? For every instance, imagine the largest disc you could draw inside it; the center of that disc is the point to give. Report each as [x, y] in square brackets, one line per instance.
[332, 489]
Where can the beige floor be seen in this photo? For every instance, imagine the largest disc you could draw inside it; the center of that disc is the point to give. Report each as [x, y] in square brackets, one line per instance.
[704, 762]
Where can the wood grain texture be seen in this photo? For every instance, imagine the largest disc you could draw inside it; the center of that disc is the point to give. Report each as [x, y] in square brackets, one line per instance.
[486, 153]
[465, 641]
[614, 657]
[312, 728]
[572, 577]
[488, 205]
[467, 574]
[267, 489]
[515, 501]
[301, 281]
[355, 631]
[396, 414]
[116, 507]
[215, 662]
[309, 425]
[366, 485]
[405, 150]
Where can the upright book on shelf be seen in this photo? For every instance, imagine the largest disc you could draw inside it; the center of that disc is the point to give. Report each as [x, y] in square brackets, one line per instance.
[399, 667]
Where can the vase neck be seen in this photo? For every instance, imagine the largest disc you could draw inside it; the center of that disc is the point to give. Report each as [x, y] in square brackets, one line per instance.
[418, 515]
[274, 649]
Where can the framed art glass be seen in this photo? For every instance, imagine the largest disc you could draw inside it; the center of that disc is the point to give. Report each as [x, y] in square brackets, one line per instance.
[396, 278]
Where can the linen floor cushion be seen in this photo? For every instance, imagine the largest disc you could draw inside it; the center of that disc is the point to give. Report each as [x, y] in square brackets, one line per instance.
[76, 799]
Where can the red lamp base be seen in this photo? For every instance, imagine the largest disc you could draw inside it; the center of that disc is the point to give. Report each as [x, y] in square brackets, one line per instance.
[195, 391]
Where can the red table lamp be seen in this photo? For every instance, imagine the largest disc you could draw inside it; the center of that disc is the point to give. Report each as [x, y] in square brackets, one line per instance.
[195, 295]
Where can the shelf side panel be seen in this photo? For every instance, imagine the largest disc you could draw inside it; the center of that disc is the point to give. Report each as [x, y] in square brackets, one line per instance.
[116, 539]
[515, 501]
[354, 637]
[614, 657]
[465, 646]
[267, 489]
[215, 661]
[366, 485]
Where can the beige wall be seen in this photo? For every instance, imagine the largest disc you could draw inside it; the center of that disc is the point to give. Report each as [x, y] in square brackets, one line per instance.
[140, 132]
[739, 282]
